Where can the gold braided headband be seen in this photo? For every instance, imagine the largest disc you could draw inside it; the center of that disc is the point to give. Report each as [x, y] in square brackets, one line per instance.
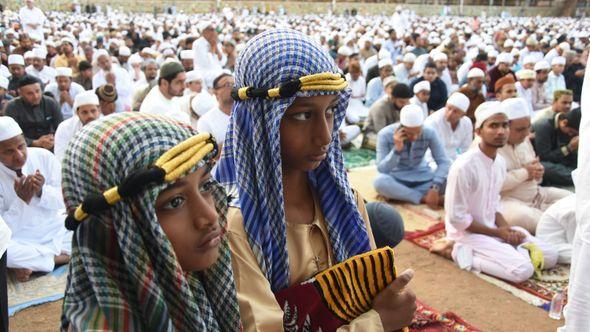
[322, 81]
[169, 167]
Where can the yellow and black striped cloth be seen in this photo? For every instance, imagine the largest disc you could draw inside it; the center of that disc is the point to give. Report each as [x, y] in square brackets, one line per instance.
[349, 288]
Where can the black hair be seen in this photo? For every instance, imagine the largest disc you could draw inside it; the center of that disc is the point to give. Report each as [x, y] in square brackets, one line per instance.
[218, 78]
[430, 64]
[84, 65]
[401, 90]
[27, 80]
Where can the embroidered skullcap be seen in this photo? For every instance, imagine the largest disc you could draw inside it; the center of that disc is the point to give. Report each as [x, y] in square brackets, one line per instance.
[63, 71]
[516, 108]
[16, 59]
[528, 60]
[193, 75]
[124, 51]
[487, 110]
[459, 100]
[411, 116]
[558, 60]
[107, 92]
[389, 80]
[421, 86]
[440, 56]
[186, 55]
[505, 57]
[85, 98]
[525, 74]
[8, 128]
[542, 65]
[385, 62]
[565, 46]
[476, 73]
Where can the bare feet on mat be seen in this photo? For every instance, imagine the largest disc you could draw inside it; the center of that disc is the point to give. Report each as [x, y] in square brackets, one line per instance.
[62, 259]
[21, 275]
[443, 247]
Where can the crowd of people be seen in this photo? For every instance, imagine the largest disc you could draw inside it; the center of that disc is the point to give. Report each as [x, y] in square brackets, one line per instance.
[478, 115]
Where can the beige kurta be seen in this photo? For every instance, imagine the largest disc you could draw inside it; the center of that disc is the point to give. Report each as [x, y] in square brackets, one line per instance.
[524, 200]
[309, 253]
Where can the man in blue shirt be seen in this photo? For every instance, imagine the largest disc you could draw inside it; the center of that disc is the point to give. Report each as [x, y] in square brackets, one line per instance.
[404, 174]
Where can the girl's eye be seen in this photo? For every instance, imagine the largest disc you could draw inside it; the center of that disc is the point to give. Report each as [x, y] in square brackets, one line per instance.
[302, 116]
[175, 203]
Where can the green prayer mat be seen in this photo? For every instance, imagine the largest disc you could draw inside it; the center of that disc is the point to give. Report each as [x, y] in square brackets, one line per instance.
[358, 157]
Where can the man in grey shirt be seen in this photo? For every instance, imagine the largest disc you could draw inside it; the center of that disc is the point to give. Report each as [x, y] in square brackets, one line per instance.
[36, 114]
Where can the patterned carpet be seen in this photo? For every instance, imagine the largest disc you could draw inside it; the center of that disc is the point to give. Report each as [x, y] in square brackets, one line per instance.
[40, 289]
[357, 157]
[427, 319]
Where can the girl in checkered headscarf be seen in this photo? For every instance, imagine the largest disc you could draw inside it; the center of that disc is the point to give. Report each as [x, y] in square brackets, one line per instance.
[153, 258]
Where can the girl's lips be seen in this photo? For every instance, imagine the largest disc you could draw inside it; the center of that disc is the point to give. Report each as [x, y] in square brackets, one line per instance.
[318, 157]
[211, 240]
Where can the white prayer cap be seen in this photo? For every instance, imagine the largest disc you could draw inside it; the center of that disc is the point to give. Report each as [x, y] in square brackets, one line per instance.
[384, 62]
[476, 73]
[186, 54]
[440, 56]
[344, 51]
[167, 52]
[487, 110]
[16, 59]
[85, 98]
[505, 58]
[101, 52]
[28, 55]
[509, 43]
[384, 54]
[67, 40]
[493, 54]
[389, 80]
[3, 83]
[204, 25]
[529, 59]
[421, 86]
[124, 51]
[411, 116]
[409, 57]
[39, 53]
[565, 46]
[558, 60]
[516, 108]
[525, 74]
[193, 76]
[459, 100]
[531, 41]
[63, 71]
[203, 103]
[8, 128]
[542, 65]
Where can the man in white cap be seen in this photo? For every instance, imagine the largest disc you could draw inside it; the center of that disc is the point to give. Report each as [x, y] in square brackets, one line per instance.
[393, 45]
[193, 86]
[161, 98]
[123, 57]
[404, 174]
[562, 103]
[86, 108]
[529, 62]
[438, 89]
[526, 80]
[4, 96]
[555, 79]
[479, 239]
[38, 68]
[32, 204]
[523, 199]
[356, 110]
[375, 88]
[500, 70]
[64, 90]
[32, 20]
[421, 95]
[531, 52]
[404, 72]
[5, 235]
[16, 66]
[116, 76]
[453, 128]
[208, 55]
[442, 61]
[540, 99]
[558, 50]
[187, 59]
[473, 91]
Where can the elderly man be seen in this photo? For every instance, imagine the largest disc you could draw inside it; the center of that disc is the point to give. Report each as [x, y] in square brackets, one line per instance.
[208, 55]
[556, 143]
[64, 90]
[404, 174]
[36, 114]
[376, 88]
[86, 108]
[385, 111]
[38, 69]
[116, 76]
[404, 72]
[526, 80]
[160, 100]
[505, 88]
[187, 59]
[480, 238]
[500, 70]
[16, 66]
[216, 120]
[421, 96]
[31, 204]
[442, 61]
[523, 199]
[540, 99]
[453, 128]
[473, 91]
[555, 78]
[562, 103]
[107, 97]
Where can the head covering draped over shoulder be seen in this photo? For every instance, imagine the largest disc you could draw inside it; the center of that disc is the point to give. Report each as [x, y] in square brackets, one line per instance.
[124, 274]
[250, 166]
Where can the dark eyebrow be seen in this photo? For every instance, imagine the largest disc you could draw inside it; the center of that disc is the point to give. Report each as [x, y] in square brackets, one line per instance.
[175, 185]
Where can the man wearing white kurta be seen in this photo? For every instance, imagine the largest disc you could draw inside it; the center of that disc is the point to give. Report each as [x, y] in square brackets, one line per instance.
[523, 198]
[356, 111]
[32, 20]
[216, 120]
[161, 98]
[557, 227]
[194, 86]
[483, 241]
[115, 75]
[64, 90]
[38, 69]
[555, 79]
[31, 203]
[452, 126]
[526, 80]
[86, 108]
[209, 58]
[421, 96]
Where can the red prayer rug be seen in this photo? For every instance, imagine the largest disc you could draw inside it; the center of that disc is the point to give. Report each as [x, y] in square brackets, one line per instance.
[427, 319]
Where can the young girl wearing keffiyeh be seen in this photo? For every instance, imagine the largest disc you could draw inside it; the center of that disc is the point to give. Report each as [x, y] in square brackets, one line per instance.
[283, 165]
[148, 252]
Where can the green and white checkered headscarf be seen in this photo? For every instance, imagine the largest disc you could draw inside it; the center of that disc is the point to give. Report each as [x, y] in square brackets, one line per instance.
[124, 275]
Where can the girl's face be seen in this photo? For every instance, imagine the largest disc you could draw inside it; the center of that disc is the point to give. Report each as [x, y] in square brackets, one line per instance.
[187, 214]
[306, 132]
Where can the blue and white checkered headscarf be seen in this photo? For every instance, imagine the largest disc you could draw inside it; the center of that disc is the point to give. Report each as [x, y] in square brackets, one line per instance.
[251, 162]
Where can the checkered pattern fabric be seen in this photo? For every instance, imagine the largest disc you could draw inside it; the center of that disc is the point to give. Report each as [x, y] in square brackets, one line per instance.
[250, 166]
[124, 275]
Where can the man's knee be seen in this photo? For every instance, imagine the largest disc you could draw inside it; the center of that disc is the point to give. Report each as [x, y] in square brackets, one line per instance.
[523, 272]
[386, 223]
